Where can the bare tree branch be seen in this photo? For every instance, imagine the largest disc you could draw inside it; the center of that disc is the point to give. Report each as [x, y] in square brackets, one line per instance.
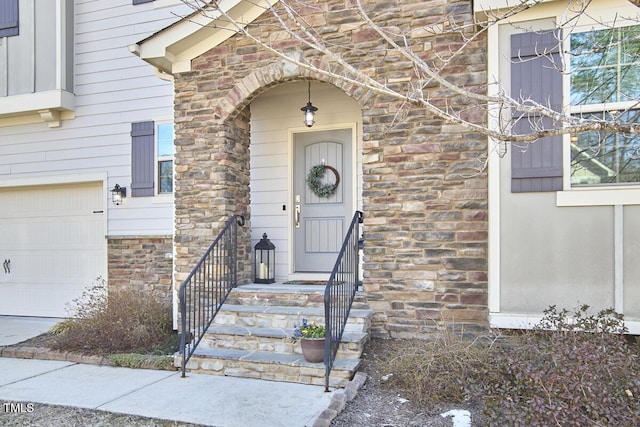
[326, 59]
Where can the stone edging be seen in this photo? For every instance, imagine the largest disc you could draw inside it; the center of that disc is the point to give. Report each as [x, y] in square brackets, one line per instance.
[44, 353]
[340, 399]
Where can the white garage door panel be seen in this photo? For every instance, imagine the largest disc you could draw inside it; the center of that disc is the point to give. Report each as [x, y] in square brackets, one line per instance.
[52, 299]
[55, 239]
[55, 233]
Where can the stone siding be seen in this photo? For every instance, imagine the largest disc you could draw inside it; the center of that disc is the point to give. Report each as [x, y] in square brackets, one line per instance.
[141, 263]
[424, 183]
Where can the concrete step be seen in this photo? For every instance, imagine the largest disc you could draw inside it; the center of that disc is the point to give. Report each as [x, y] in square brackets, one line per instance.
[273, 340]
[286, 318]
[269, 366]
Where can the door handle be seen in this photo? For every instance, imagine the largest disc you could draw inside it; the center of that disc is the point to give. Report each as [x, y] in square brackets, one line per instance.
[297, 216]
[7, 266]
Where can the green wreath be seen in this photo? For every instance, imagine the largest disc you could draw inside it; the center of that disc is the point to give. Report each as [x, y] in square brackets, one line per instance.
[315, 175]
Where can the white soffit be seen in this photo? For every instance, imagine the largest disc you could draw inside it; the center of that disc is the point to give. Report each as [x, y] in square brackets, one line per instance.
[172, 49]
[484, 6]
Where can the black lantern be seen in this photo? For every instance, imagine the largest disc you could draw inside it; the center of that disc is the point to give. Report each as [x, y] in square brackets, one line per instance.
[309, 111]
[117, 194]
[264, 261]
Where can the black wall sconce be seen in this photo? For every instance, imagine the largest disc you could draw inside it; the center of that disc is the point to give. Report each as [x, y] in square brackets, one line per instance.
[264, 261]
[309, 111]
[117, 194]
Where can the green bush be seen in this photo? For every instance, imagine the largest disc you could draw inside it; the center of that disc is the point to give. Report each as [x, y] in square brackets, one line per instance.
[120, 321]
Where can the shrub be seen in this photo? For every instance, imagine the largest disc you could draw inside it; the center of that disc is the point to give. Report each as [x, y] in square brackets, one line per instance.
[438, 372]
[573, 369]
[122, 321]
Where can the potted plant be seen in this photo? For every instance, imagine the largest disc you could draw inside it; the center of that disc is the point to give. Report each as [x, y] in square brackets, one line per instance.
[311, 336]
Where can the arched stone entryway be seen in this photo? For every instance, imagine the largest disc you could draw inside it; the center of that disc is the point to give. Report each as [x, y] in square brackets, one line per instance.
[424, 199]
[233, 156]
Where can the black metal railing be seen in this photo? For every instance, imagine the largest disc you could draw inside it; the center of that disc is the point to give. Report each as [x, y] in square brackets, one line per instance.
[207, 287]
[340, 293]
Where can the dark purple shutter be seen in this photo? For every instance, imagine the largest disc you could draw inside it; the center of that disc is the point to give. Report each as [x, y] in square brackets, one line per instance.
[142, 159]
[9, 18]
[535, 64]
[141, 1]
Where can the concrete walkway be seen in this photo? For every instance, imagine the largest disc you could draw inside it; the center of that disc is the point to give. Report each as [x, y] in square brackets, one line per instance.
[15, 329]
[201, 399]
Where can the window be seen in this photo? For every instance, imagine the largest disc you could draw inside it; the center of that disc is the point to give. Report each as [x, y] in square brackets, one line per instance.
[164, 153]
[151, 158]
[604, 84]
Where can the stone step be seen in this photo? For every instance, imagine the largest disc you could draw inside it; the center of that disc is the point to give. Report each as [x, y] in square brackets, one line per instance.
[269, 366]
[250, 336]
[285, 296]
[286, 318]
[273, 340]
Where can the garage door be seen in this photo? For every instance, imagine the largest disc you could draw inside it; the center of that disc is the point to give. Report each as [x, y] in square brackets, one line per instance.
[52, 245]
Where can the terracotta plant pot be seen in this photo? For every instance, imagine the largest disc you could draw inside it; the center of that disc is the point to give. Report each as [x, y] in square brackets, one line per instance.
[312, 349]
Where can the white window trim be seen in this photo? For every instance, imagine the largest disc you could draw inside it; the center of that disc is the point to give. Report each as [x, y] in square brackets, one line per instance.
[158, 197]
[595, 195]
[599, 196]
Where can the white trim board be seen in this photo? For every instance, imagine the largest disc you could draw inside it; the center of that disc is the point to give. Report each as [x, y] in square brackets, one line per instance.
[609, 196]
[526, 321]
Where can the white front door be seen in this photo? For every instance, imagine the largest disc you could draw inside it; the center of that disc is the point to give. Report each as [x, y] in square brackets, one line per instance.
[320, 219]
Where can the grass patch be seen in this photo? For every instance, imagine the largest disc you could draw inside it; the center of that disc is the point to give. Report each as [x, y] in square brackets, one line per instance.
[147, 361]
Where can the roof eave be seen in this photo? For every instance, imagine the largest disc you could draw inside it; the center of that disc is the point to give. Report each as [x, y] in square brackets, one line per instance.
[172, 49]
[489, 7]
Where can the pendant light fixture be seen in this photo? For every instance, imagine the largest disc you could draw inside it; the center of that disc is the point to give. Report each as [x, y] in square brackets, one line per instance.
[309, 111]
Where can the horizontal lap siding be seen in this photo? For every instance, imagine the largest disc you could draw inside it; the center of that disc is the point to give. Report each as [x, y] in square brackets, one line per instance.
[113, 88]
